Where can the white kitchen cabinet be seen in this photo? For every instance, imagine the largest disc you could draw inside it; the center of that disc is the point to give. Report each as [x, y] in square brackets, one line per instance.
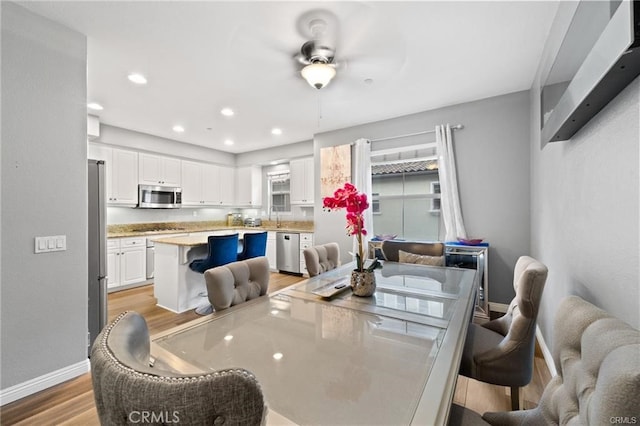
[271, 251]
[302, 181]
[126, 261]
[227, 183]
[206, 185]
[306, 241]
[248, 186]
[159, 170]
[192, 180]
[121, 173]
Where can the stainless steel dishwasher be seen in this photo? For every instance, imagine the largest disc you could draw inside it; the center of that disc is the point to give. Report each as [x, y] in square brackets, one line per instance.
[288, 252]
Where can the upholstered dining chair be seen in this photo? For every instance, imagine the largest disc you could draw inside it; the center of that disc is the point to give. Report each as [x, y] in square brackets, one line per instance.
[598, 382]
[237, 282]
[321, 258]
[391, 250]
[501, 351]
[128, 385]
[254, 244]
[222, 249]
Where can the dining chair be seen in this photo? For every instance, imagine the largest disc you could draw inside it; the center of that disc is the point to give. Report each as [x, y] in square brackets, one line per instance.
[501, 351]
[128, 384]
[237, 282]
[597, 360]
[254, 244]
[222, 249]
[321, 258]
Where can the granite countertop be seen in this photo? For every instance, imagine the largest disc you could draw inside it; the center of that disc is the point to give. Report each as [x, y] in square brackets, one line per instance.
[186, 241]
[167, 228]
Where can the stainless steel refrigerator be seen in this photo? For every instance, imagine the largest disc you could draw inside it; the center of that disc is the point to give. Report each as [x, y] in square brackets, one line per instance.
[97, 250]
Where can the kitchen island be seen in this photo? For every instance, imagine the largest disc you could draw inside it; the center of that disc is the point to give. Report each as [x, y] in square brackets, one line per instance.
[176, 287]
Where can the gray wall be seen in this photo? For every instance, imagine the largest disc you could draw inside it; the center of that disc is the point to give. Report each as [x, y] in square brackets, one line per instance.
[44, 192]
[492, 155]
[585, 202]
[585, 219]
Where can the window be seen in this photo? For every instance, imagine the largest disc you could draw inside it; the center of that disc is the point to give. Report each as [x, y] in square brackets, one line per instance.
[406, 193]
[375, 203]
[279, 188]
[435, 201]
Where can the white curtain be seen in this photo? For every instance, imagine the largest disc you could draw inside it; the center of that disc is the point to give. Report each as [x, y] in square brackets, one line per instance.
[362, 181]
[449, 198]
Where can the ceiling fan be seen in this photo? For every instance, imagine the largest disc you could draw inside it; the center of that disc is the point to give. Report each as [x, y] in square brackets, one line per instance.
[317, 55]
[355, 42]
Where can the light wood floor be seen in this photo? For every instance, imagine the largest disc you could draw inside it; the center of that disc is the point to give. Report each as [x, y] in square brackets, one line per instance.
[72, 403]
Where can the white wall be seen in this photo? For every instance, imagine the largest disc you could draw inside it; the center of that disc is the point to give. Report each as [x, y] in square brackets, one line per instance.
[585, 212]
[492, 155]
[144, 142]
[44, 192]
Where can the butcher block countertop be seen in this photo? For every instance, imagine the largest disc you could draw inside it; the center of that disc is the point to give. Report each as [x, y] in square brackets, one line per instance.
[150, 229]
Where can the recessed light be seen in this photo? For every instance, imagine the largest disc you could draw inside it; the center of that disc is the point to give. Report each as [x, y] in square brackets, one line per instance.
[95, 106]
[278, 356]
[137, 78]
[228, 337]
[178, 129]
[274, 162]
[228, 142]
[227, 112]
[276, 131]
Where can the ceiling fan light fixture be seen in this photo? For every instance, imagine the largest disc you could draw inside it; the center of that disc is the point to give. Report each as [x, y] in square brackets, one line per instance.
[318, 74]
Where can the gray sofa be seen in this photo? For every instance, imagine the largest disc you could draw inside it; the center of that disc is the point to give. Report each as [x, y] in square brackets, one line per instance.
[597, 357]
[129, 390]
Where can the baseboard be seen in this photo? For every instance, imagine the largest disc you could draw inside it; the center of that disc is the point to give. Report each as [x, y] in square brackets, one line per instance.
[45, 381]
[546, 353]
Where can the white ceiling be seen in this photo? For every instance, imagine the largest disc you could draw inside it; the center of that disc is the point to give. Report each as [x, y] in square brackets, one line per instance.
[199, 57]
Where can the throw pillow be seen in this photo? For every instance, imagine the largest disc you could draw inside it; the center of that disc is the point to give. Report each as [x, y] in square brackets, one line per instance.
[420, 259]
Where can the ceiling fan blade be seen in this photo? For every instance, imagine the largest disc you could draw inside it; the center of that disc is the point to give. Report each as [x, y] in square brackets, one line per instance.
[371, 44]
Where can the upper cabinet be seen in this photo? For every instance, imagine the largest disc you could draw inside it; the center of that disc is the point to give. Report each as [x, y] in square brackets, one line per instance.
[206, 184]
[227, 183]
[159, 170]
[121, 173]
[301, 178]
[248, 186]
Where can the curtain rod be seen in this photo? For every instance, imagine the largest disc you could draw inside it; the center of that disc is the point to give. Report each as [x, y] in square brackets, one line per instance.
[456, 127]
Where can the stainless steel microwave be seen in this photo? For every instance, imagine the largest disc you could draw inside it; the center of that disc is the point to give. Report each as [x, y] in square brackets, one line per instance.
[159, 197]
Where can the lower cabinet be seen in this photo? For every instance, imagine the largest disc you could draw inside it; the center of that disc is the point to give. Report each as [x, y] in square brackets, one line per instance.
[306, 241]
[126, 261]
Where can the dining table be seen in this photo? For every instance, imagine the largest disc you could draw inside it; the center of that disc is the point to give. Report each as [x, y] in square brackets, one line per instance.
[388, 359]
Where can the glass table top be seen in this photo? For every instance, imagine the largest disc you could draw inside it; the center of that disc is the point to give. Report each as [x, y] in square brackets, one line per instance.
[321, 361]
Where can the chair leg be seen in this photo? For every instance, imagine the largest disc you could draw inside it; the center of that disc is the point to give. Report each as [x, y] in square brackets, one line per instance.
[515, 398]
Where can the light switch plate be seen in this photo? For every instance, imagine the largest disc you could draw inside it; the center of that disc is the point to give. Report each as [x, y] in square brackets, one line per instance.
[49, 244]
